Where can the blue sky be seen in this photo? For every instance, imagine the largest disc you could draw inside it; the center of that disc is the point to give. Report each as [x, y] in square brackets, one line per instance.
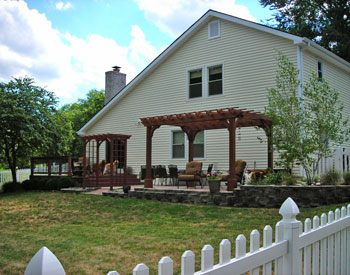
[67, 46]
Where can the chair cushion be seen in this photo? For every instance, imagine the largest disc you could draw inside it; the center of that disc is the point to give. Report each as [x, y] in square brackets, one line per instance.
[194, 167]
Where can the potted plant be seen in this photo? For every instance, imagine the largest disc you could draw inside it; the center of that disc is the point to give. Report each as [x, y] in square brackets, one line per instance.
[214, 182]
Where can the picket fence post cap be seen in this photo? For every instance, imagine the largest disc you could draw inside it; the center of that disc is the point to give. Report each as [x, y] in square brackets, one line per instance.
[112, 273]
[44, 262]
[289, 210]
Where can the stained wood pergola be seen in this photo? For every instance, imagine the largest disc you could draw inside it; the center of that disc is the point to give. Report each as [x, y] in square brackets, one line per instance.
[194, 122]
[100, 138]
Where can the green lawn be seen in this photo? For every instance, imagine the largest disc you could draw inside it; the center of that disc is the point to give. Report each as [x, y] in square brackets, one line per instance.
[93, 234]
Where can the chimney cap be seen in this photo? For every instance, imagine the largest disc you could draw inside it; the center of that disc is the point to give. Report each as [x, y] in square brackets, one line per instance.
[116, 68]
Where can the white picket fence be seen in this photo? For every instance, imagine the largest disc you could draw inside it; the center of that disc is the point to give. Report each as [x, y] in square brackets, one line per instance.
[321, 248]
[22, 175]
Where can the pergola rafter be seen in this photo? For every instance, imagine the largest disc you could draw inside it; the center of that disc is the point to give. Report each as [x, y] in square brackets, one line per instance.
[193, 122]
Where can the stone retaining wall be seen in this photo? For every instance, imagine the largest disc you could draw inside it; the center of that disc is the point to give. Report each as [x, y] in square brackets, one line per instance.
[248, 196]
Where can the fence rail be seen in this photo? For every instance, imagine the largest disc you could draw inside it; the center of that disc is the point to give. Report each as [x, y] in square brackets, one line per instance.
[22, 175]
[323, 248]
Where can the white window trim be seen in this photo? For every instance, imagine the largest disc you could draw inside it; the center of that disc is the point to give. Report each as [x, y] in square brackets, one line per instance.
[207, 79]
[188, 82]
[219, 27]
[186, 143]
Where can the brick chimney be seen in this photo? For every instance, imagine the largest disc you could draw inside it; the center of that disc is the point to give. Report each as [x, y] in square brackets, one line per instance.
[115, 82]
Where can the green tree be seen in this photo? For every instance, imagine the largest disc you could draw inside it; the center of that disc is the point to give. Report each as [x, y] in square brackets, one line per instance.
[79, 114]
[28, 122]
[305, 129]
[325, 22]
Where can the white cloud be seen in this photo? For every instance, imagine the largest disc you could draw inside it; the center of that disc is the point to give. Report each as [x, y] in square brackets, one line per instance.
[63, 63]
[174, 17]
[63, 6]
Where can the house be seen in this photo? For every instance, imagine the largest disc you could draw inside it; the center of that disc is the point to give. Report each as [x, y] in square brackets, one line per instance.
[221, 61]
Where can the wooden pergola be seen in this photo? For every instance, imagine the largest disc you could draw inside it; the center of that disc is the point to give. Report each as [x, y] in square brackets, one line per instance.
[194, 122]
[100, 138]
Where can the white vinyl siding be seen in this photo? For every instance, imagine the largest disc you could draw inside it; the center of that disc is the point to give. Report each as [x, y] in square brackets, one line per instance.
[249, 69]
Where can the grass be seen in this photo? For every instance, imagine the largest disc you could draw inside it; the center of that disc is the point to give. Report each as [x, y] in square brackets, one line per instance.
[94, 234]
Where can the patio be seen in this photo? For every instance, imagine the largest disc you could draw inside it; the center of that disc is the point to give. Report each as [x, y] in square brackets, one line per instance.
[194, 122]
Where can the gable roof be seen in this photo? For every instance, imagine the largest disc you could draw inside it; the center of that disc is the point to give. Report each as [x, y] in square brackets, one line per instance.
[314, 47]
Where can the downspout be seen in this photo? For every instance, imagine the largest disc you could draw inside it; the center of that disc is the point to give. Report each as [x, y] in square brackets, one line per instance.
[300, 59]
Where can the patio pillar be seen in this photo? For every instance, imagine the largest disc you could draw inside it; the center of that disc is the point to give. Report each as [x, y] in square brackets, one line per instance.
[149, 134]
[232, 180]
[70, 165]
[270, 149]
[191, 134]
[111, 144]
[84, 164]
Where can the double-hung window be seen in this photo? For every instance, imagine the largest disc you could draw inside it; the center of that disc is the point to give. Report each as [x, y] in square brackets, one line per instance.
[198, 145]
[215, 80]
[178, 145]
[195, 83]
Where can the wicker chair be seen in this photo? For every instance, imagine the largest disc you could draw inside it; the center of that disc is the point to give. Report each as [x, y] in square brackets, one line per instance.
[193, 172]
[239, 171]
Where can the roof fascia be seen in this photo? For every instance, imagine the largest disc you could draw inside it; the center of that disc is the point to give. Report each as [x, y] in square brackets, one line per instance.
[186, 35]
[326, 54]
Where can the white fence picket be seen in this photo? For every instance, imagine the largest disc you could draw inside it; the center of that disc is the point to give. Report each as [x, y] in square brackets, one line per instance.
[225, 252]
[348, 244]
[337, 246]
[267, 268]
[279, 238]
[113, 273]
[330, 264]
[165, 266]
[141, 269]
[187, 263]
[254, 246]
[207, 258]
[323, 253]
[343, 245]
[307, 250]
[316, 249]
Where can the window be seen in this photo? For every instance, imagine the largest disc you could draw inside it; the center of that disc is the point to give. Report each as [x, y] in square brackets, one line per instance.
[320, 70]
[215, 80]
[198, 145]
[195, 83]
[178, 145]
[214, 29]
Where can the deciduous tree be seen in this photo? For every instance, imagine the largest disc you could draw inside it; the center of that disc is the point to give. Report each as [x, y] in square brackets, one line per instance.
[325, 22]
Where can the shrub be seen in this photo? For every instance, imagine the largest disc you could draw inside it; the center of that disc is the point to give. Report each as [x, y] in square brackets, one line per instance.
[346, 177]
[12, 187]
[289, 179]
[331, 177]
[53, 183]
[274, 178]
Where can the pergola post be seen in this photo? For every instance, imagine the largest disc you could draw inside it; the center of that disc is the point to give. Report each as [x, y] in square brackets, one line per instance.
[191, 134]
[97, 162]
[149, 134]
[84, 164]
[111, 144]
[125, 162]
[232, 180]
[270, 148]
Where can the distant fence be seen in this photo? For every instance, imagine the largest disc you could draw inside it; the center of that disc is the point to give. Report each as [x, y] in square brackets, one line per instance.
[51, 165]
[22, 175]
[322, 247]
[340, 161]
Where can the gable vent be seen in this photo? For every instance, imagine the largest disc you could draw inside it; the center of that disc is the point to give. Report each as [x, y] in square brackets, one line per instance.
[214, 29]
